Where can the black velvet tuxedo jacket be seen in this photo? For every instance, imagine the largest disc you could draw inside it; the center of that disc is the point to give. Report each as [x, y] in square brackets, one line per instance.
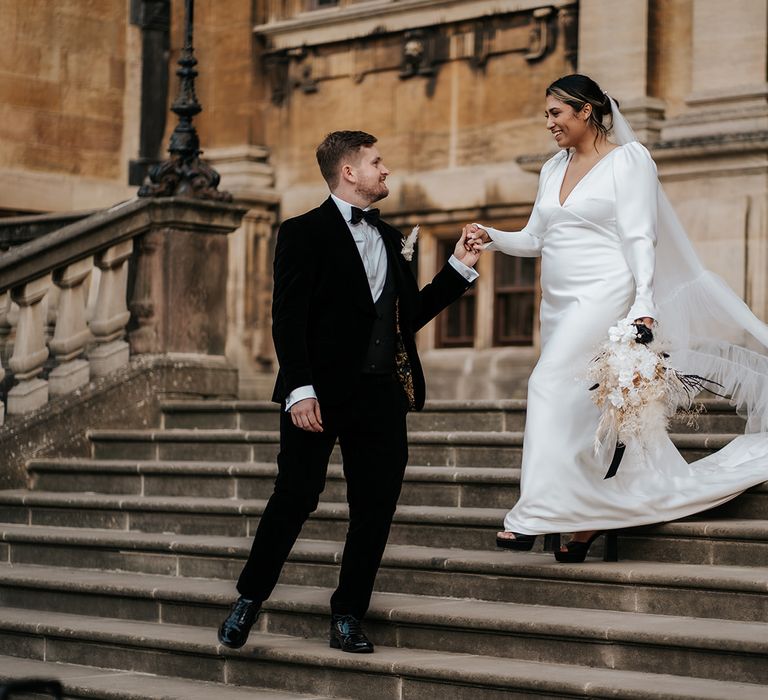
[323, 311]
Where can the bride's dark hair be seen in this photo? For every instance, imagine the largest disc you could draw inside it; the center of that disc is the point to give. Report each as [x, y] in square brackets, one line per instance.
[579, 90]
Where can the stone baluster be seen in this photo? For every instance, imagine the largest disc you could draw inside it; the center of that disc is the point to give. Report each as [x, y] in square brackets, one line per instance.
[9, 327]
[51, 306]
[111, 313]
[5, 331]
[5, 325]
[71, 333]
[29, 349]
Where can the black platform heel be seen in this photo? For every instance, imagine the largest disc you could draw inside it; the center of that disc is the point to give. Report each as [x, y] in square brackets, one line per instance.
[521, 543]
[524, 543]
[577, 551]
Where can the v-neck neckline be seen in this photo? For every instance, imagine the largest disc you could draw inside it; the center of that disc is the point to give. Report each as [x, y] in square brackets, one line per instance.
[583, 177]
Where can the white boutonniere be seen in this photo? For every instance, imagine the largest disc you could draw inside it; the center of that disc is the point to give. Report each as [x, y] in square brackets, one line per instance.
[409, 242]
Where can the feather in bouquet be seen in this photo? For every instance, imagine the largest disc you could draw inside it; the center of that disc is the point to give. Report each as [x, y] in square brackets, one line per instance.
[635, 387]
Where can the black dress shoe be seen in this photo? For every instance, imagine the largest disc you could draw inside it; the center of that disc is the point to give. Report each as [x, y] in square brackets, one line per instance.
[234, 631]
[347, 634]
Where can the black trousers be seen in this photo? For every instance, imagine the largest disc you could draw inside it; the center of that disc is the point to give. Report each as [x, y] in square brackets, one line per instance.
[371, 431]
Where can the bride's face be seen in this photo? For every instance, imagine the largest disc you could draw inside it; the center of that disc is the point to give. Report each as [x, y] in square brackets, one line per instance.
[566, 125]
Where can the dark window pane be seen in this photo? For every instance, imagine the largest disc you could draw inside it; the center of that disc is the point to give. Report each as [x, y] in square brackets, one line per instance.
[515, 300]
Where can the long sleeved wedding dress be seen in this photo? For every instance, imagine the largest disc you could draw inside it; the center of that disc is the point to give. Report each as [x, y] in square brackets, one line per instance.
[598, 258]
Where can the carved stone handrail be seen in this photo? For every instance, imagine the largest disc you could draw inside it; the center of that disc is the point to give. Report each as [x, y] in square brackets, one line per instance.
[16, 230]
[176, 249]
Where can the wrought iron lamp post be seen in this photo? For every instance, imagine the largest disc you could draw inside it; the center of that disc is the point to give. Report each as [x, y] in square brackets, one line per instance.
[185, 174]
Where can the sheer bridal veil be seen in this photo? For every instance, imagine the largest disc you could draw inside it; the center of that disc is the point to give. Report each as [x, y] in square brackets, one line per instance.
[710, 330]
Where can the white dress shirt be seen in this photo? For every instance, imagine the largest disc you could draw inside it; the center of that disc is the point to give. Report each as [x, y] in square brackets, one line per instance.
[374, 256]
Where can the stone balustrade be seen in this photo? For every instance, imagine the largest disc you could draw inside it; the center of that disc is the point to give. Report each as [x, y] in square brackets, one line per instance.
[160, 267]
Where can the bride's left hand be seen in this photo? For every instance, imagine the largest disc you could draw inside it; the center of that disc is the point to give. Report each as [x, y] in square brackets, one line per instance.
[646, 321]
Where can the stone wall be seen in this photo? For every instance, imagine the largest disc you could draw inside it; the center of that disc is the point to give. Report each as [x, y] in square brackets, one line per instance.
[62, 90]
[452, 90]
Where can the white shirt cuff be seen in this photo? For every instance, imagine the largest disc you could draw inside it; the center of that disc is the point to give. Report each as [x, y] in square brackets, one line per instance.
[299, 394]
[468, 273]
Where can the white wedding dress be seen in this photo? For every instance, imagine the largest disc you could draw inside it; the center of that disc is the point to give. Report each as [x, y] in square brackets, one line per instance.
[597, 266]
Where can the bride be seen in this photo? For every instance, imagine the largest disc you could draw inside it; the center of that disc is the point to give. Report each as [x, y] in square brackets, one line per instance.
[612, 248]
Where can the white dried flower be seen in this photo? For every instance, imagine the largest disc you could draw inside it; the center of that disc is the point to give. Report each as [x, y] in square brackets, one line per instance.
[409, 242]
[635, 388]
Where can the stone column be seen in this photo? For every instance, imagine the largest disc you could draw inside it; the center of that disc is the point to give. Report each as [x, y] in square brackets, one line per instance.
[29, 350]
[71, 333]
[178, 299]
[613, 49]
[111, 314]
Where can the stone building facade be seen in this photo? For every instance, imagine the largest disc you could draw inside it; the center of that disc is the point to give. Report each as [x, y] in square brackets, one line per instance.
[454, 92]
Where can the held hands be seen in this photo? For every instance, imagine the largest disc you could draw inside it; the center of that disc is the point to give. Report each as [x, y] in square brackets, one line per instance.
[470, 245]
[476, 236]
[305, 415]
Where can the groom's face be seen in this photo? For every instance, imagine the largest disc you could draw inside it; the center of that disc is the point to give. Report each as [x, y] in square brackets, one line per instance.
[370, 174]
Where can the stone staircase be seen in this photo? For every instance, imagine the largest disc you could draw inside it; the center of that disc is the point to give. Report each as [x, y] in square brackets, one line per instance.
[117, 569]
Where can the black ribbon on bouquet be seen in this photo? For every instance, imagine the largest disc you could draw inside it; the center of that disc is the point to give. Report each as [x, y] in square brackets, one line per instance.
[617, 455]
[643, 337]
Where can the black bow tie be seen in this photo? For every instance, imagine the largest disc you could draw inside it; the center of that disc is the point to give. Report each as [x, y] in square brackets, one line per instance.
[370, 215]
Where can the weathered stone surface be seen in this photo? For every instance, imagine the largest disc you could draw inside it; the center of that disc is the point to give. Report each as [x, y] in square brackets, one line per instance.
[27, 396]
[69, 376]
[128, 397]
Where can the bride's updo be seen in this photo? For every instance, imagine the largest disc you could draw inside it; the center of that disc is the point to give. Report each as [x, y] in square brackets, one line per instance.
[578, 90]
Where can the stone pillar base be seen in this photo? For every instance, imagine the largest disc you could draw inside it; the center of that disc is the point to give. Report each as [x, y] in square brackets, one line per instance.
[108, 357]
[27, 396]
[67, 377]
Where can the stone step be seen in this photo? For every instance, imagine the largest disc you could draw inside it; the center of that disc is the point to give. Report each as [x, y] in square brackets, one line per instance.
[736, 542]
[713, 649]
[493, 487]
[307, 665]
[700, 539]
[106, 684]
[431, 448]
[694, 590]
[501, 415]
[431, 525]
[439, 486]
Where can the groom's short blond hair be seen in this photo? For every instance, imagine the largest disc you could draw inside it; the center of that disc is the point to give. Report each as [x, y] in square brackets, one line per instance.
[337, 147]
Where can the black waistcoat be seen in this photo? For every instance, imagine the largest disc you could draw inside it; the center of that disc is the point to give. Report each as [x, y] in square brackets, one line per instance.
[380, 358]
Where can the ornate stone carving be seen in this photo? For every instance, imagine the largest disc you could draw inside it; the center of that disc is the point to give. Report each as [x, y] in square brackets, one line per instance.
[276, 66]
[419, 56]
[71, 333]
[420, 51]
[111, 314]
[543, 37]
[482, 43]
[29, 350]
[569, 25]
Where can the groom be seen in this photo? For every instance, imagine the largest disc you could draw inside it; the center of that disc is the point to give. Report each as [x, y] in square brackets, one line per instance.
[345, 310]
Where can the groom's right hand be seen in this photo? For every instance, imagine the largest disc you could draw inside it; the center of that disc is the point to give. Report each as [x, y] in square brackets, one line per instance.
[306, 415]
